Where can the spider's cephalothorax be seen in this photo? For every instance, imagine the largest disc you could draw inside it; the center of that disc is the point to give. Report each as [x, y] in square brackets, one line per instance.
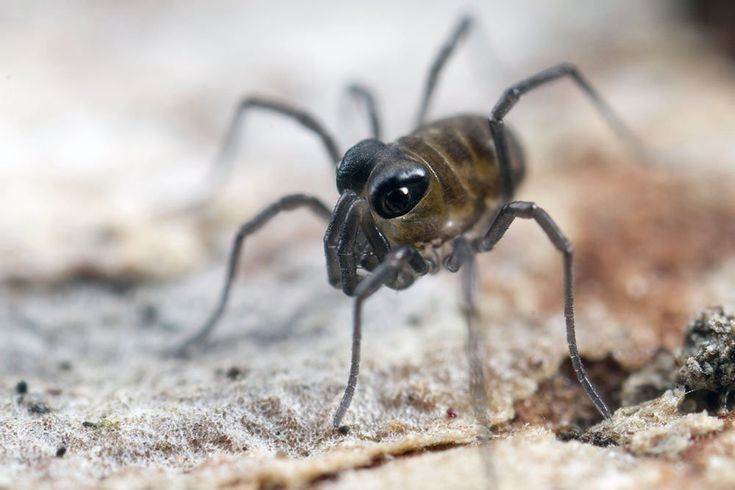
[430, 199]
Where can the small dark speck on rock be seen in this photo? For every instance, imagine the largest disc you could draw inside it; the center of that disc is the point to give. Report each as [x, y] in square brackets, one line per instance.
[451, 413]
[21, 388]
[60, 451]
[65, 366]
[343, 429]
[89, 425]
[234, 373]
[567, 434]
[38, 408]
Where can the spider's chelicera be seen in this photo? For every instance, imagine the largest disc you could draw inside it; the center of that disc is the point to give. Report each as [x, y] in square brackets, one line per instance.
[429, 200]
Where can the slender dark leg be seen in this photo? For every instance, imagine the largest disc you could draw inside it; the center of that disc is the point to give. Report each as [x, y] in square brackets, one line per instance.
[514, 93]
[286, 203]
[223, 161]
[436, 67]
[528, 210]
[394, 262]
[365, 96]
[464, 257]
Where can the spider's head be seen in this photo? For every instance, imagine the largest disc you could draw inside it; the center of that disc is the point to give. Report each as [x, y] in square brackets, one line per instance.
[392, 183]
[377, 184]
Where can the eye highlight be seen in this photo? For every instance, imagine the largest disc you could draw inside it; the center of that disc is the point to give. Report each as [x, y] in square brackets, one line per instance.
[399, 192]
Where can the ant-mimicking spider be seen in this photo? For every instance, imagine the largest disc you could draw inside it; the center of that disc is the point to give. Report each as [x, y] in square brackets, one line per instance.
[431, 199]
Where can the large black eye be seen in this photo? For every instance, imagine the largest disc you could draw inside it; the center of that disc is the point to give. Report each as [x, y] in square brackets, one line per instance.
[398, 189]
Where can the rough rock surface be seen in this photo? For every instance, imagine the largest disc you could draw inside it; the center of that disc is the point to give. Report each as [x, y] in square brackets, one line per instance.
[114, 112]
[707, 358]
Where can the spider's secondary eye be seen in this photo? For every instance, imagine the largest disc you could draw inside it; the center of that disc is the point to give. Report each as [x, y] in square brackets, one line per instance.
[399, 192]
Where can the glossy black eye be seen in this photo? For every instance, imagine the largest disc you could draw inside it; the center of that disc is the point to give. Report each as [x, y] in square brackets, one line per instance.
[399, 190]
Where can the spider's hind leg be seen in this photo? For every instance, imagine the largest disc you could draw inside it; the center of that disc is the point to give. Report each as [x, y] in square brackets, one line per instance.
[464, 257]
[513, 94]
[365, 97]
[529, 210]
[445, 52]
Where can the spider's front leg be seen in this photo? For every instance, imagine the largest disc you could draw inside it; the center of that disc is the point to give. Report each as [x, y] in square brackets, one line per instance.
[286, 203]
[396, 261]
[397, 268]
[222, 165]
[221, 168]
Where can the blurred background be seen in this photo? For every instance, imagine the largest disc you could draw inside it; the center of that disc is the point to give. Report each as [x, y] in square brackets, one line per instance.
[112, 112]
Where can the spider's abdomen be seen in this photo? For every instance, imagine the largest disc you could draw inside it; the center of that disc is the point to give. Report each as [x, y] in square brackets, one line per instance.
[465, 187]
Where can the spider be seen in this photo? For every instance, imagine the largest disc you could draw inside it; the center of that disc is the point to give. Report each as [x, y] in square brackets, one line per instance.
[430, 200]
